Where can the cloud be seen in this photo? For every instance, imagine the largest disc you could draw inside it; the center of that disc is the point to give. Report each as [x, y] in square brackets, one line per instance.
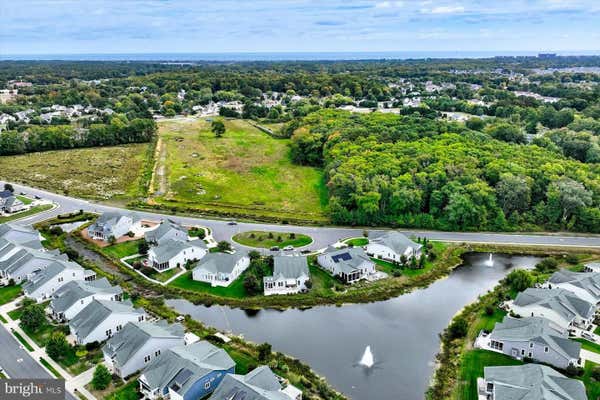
[389, 4]
[457, 9]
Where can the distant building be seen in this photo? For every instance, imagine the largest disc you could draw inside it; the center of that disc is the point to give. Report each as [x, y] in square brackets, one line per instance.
[349, 264]
[290, 274]
[167, 230]
[186, 372]
[529, 381]
[586, 285]
[259, 384]
[220, 269]
[391, 246]
[111, 224]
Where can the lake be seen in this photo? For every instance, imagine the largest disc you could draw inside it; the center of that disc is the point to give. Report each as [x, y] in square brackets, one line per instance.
[402, 332]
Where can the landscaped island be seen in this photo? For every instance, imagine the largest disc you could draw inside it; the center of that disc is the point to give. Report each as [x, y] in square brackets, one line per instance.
[269, 240]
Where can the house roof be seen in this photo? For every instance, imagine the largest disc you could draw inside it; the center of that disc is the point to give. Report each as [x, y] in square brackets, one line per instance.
[349, 259]
[12, 201]
[563, 302]
[44, 276]
[588, 281]
[129, 340]
[169, 248]
[181, 366]
[290, 267]
[106, 221]
[259, 384]
[165, 227]
[5, 194]
[219, 262]
[21, 235]
[395, 241]
[97, 311]
[533, 382]
[74, 291]
[538, 330]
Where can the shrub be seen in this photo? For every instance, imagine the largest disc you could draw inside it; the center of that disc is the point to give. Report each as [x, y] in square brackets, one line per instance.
[33, 317]
[519, 280]
[489, 310]
[572, 259]
[57, 345]
[547, 265]
[596, 373]
[458, 328]
[264, 352]
[143, 247]
[223, 246]
[101, 378]
[573, 371]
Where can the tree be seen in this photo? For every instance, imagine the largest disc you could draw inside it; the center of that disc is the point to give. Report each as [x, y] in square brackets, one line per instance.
[224, 246]
[458, 328]
[143, 247]
[101, 377]
[57, 345]
[548, 264]
[33, 317]
[254, 255]
[519, 280]
[513, 194]
[218, 127]
[9, 187]
[264, 352]
[251, 285]
[565, 197]
[507, 133]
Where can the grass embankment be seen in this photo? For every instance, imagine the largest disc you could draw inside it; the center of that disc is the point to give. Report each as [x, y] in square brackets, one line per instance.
[266, 240]
[22, 340]
[23, 214]
[244, 174]
[9, 293]
[50, 368]
[459, 365]
[96, 173]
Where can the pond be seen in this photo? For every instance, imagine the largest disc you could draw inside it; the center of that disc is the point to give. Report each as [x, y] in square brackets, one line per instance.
[402, 332]
[70, 226]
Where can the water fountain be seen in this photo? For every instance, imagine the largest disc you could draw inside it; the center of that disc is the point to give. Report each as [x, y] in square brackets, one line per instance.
[490, 261]
[367, 358]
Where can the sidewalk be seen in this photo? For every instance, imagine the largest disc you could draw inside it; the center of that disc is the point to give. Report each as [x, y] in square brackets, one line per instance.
[77, 384]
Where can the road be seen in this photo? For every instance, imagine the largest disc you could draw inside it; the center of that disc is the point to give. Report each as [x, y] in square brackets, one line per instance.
[322, 236]
[18, 363]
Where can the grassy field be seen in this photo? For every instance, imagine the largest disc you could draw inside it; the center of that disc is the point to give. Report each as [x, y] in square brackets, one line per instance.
[97, 173]
[245, 173]
[269, 239]
[9, 293]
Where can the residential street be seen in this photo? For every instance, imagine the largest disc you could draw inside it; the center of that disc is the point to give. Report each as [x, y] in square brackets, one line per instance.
[322, 236]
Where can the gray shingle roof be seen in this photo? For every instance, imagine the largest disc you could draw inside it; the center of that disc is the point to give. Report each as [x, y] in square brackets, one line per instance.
[74, 291]
[395, 241]
[97, 311]
[539, 330]
[168, 249]
[564, 302]
[181, 366]
[259, 384]
[588, 281]
[157, 234]
[20, 235]
[290, 267]
[42, 277]
[219, 262]
[106, 221]
[533, 382]
[348, 260]
[123, 345]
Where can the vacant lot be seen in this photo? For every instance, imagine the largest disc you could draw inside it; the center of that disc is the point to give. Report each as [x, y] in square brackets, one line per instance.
[244, 173]
[97, 173]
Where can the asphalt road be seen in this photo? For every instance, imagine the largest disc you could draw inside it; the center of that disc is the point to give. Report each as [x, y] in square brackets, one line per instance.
[18, 363]
[322, 236]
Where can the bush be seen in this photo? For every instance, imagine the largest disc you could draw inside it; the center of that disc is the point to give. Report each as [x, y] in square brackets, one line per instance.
[547, 265]
[489, 310]
[101, 378]
[33, 317]
[57, 345]
[264, 352]
[143, 247]
[596, 373]
[458, 328]
[519, 280]
[573, 371]
[223, 246]
[572, 259]
[92, 346]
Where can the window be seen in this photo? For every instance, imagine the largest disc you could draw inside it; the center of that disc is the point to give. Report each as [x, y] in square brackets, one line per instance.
[531, 345]
[529, 354]
[119, 328]
[545, 349]
[109, 332]
[81, 301]
[207, 385]
[141, 318]
[522, 352]
[157, 353]
[147, 358]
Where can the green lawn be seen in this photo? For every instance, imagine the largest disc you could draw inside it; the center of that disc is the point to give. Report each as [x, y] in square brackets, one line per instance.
[587, 345]
[161, 276]
[24, 200]
[357, 242]
[245, 173]
[267, 240]
[322, 281]
[126, 392]
[597, 330]
[46, 364]
[235, 289]
[471, 368]
[76, 363]
[124, 249]
[21, 339]
[9, 293]
[592, 386]
[23, 214]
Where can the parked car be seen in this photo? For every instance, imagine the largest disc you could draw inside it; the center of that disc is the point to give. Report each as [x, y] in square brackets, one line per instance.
[288, 248]
[305, 251]
[232, 223]
[588, 336]
[37, 197]
[275, 248]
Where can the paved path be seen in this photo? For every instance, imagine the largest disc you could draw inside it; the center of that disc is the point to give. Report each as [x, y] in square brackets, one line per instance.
[589, 355]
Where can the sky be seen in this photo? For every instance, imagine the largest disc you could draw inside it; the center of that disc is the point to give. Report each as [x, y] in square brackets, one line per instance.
[223, 26]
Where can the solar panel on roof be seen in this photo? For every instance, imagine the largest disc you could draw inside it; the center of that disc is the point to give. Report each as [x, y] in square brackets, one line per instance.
[343, 257]
[181, 378]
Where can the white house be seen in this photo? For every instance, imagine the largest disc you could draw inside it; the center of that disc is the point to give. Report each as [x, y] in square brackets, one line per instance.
[133, 347]
[561, 307]
[43, 284]
[220, 269]
[261, 382]
[101, 319]
[172, 253]
[391, 246]
[21, 235]
[18, 262]
[111, 224]
[290, 274]
[166, 230]
[350, 264]
[74, 296]
[586, 285]
[9, 203]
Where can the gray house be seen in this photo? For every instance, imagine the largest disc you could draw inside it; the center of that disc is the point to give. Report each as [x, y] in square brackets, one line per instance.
[21, 235]
[220, 269]
[186, 372]
[350, 264]
[529, 381]
[111, 224]
[533, 338]
[259, 384]
[70, 299]
[586, 285]
[44, 283]
[172, 253]
[138, 343]
[19, 262]
[392, 246]
[290, 274]
[166, 230]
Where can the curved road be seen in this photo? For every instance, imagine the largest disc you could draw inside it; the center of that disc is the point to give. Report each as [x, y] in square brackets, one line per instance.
[322, 236]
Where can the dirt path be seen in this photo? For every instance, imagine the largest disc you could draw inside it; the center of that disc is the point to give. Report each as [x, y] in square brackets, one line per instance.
[158, 183]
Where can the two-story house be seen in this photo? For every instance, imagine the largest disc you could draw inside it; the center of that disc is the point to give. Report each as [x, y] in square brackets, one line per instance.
[74, 296]
[349, 264]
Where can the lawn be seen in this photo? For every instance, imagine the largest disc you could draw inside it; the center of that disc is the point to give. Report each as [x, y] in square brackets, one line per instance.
[388, 268]
[235, 289]
[21, 339]
[97, 173]
[597, 330]
[126, 392]
[322, 281]
[123, 249]
[357, 242]
[161, 276]
[46, 364]
[591, 385]
[23, 214]
[269, 239]
[9, 293]
[244, 173]
[471, 368]
[25, 200]
[587, 345]
[77, 359]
